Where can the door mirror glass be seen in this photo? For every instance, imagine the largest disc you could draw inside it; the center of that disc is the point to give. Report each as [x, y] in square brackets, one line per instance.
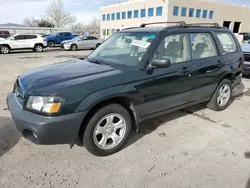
[160, 63]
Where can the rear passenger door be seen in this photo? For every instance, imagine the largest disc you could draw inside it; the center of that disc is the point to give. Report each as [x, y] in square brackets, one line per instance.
[206, 62]
[231, 51]
[30, 41]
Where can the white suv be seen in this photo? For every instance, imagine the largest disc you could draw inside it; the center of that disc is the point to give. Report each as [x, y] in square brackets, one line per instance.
[21, 42]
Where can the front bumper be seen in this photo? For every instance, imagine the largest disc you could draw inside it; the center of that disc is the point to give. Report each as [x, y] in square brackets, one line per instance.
[246, 69]
[65, 47]
[45, 130]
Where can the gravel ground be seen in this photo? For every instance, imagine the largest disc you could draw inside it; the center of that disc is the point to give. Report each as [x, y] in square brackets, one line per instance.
[194, 147]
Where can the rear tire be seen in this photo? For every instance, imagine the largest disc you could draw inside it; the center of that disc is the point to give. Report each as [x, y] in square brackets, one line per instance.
[108, 130]
[38, 48]
[51, 44]
[222, 96]
[4, 49]
[73, 47]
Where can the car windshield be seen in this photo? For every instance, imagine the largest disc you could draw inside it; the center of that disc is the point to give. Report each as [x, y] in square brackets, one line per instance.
[8, 38]
[125, 48]
[77, 38]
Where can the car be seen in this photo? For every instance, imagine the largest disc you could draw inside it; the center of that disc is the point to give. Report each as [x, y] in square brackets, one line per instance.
[22, 42]
[246, 36]
[246, 51]
[2, 38]
[4, 34]
[136, 74]
[58, 38]
[81, 42]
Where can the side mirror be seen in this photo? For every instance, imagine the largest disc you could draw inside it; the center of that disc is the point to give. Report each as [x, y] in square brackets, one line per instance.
[160, 63]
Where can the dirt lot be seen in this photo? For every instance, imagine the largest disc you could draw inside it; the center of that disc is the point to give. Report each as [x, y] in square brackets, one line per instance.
[195, 147]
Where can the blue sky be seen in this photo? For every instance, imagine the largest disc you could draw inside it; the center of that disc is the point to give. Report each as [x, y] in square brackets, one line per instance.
[14, 11]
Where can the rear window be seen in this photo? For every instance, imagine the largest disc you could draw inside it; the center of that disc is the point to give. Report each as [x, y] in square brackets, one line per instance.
[228, 42]
[30, 36]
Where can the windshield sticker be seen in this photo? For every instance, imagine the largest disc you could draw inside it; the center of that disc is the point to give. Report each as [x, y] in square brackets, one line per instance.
[140, 43]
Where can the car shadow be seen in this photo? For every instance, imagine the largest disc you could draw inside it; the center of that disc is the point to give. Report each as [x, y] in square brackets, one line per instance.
[149, 126]
[9, 136]
[247, 155]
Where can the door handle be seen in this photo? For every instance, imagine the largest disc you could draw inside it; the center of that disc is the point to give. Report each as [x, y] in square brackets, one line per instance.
[185, 70]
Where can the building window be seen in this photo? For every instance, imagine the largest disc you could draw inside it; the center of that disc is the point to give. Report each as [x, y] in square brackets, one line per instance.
[159, 11]
[136, 13]
[123, 15]
[211, 14]
[176, 11]
[108, 17]
[150, 12]
[143, 13]
[198, 13]
[191, 12]
[113, 16]
[129, 14]
[103, 17]
[118, 16]
[204, 14]
[183, 11]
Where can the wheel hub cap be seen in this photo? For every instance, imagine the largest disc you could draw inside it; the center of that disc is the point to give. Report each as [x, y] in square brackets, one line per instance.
[109, 131]
[223, 95]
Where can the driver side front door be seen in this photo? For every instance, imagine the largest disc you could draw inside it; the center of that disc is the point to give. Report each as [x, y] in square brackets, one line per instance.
[166, 88]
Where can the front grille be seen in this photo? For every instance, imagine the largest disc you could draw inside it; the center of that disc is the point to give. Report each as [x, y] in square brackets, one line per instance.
[19, 94]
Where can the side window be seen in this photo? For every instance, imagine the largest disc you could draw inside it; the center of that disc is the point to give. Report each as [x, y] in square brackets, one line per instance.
[203, 45]
[174, 47]
[19, 37]
[64, 34]
[91, 38]
[30, 36]
[227, 41]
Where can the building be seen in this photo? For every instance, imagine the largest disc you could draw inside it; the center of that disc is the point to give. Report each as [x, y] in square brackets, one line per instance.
[134, 12]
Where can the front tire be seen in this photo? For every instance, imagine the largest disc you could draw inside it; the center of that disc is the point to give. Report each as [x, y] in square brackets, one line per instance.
[51, 44]
[222, 96]
[73, 47]
[38, 48]
[108, 130]
[4, 49]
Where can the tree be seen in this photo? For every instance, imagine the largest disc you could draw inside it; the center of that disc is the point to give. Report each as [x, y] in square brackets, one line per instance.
[32, 22]
[57, 15]
[45, 23]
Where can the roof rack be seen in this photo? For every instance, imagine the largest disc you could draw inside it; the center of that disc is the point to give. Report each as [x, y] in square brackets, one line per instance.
[181, 23]
[204, 24]
[129, 28]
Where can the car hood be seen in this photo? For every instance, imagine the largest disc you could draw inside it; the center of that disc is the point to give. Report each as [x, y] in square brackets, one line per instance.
[67, 41]
[62, 75]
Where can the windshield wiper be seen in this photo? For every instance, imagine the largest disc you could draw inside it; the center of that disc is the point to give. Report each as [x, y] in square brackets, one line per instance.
[95, 61]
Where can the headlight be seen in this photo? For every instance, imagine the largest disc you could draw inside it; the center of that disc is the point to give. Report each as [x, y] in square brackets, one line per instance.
[48, 105]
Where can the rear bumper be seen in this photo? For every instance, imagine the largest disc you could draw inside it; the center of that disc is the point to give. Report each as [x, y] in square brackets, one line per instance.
[45, 130]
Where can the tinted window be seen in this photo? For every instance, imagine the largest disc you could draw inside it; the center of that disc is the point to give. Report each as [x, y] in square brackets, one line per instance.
[108, 17]
[228, 42]
[129, 14]
[191, 12]
[183, 11]
[203, 45]
[174, 47]
[176, 11]
[65, 34]
[30, 36]
[19, 37]
[159, 11]
[198, 13]
[118, 16]
[123, 15]
[211, 14]
[150, 12]
[143, 13]
[136, 14]
[113, 16]
[92, 38]
[204, 14]
[103, 17]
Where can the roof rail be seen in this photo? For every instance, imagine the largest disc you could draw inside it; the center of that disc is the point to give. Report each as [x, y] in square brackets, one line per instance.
[204, 24]
[181, 23]
[129, 28]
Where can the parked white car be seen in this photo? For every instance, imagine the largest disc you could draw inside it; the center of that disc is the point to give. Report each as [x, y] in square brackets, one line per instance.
[2, 38]
[21, 42]
[81, 42]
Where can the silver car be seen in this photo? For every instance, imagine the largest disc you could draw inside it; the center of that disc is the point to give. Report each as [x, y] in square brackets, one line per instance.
[81, 42]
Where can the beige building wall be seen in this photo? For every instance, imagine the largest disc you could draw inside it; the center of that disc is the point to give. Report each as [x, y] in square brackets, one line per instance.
[222, 12]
